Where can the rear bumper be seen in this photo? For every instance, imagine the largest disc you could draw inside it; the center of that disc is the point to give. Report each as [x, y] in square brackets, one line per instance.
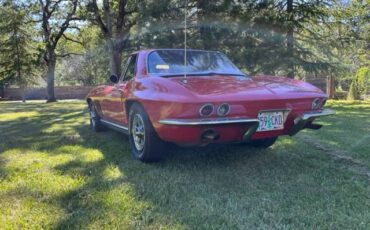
[206, 130]
[306, 119]
[190, 131]
[211, 121]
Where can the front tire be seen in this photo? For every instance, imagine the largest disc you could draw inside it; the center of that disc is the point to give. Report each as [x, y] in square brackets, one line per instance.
[95, 123]
[145, 143]
[263, 143]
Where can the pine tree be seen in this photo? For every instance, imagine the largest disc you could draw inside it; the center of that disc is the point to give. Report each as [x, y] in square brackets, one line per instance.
[17, 57]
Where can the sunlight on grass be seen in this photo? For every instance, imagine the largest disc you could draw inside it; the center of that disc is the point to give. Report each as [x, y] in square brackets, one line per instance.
[85, 155]
[17, 115]
[112, 173]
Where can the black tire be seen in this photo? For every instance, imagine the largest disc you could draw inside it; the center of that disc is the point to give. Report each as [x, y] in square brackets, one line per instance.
[263, 143]
[95, 123]
[145, 143]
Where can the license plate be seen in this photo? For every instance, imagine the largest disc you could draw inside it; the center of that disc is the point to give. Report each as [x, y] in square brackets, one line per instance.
[271, 121]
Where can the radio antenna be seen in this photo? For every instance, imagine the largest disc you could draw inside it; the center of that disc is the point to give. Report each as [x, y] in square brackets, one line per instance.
[185, 41]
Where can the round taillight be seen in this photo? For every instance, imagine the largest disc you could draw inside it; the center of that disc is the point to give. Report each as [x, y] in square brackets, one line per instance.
[316, 104]
[206, 110]
[223, 110]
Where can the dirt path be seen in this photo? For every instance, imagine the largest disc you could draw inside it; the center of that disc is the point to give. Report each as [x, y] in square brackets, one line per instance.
[341, 156]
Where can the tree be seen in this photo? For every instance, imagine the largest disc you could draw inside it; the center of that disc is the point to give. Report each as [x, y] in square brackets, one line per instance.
[91, 68]
[55, 18]
[360, 84]
[18, 57]
[115, 19]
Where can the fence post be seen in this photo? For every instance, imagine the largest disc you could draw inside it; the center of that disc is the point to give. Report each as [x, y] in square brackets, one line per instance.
[330, 86]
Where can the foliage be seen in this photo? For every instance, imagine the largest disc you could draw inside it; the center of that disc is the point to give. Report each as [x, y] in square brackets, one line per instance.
[310, 39]
[360, 84]
[90, 63]
[18, 57]
[348, 35]
[253, 34]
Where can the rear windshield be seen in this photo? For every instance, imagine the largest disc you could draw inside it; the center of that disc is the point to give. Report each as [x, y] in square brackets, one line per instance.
[171, 62]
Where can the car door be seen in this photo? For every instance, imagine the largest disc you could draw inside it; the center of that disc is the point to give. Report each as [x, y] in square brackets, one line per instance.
[115, 109]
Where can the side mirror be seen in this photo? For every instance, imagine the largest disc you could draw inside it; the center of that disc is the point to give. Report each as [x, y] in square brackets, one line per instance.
[113, 78]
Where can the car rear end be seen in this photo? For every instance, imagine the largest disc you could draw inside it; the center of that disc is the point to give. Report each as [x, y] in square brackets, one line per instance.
[188, 124]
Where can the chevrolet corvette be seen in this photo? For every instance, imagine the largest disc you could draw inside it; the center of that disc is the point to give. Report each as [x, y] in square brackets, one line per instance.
[200, 97]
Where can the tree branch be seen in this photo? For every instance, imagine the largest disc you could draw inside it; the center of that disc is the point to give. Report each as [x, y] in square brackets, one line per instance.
[71, 39]
[121, 15]
[98, 18]
[65, 24]
[68, 54]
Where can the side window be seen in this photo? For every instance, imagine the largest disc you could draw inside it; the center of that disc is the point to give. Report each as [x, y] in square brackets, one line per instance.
[130, 69]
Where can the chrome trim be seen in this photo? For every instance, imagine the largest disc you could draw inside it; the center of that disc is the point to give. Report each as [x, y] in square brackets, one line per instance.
[302, 121]
[200, 110]
[316, 103]
[215, 121]
[228, 110]
[275, 110]
[323, 112]
[114, 124]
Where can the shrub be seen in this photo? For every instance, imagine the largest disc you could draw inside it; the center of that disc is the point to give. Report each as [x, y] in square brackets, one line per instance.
[359, 85]
[341, 95]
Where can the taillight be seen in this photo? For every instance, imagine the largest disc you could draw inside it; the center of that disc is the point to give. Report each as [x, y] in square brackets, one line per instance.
[223, 110]
[206, 110]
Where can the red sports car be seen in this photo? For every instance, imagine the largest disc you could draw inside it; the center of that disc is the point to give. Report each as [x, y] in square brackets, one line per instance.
[160, 99]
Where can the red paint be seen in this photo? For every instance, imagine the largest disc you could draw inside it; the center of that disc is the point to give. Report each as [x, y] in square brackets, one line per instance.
[164, 98]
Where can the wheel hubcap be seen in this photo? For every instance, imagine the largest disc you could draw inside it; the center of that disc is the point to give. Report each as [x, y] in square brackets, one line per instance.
[138, 132]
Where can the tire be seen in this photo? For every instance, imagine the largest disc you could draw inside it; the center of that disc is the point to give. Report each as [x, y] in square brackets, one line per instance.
[95, 123]
[145, 143]
[263, 143]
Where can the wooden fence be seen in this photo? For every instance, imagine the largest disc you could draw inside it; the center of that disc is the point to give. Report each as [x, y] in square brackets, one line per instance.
[79, 92]
[61, 92]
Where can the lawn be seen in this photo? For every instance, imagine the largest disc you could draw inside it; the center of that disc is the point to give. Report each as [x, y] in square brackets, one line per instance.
[56, 173]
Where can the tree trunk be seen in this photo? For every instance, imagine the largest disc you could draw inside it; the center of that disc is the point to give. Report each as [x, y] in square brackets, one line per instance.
[23, 90]
[115, 60]
[50, 76]
[2, 91]
[290, 39]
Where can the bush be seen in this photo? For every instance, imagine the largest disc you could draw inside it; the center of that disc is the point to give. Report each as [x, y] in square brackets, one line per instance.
[359, 85]
[341, 95]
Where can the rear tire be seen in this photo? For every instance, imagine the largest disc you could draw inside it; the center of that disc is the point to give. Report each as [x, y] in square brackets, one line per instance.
[263, 143]
[95, 123]
[145, 143]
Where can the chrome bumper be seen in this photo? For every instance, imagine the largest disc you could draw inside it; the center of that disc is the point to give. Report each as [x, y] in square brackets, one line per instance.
[324, 112]
[210, 121]
[305, 120]
[301, 122]
[251, 122]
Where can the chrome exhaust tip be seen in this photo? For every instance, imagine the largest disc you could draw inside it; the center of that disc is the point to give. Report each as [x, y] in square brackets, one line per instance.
[210, 135]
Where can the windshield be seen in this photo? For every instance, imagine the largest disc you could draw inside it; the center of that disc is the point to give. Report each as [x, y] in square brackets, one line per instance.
[171, 62]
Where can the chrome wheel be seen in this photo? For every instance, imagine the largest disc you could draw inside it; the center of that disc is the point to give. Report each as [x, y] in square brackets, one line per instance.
[138, 132]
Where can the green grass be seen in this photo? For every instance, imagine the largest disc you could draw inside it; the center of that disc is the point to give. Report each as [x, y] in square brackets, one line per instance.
[56, 173]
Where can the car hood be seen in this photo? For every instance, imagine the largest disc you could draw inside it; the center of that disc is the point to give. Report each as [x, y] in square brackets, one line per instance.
[268, 87]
